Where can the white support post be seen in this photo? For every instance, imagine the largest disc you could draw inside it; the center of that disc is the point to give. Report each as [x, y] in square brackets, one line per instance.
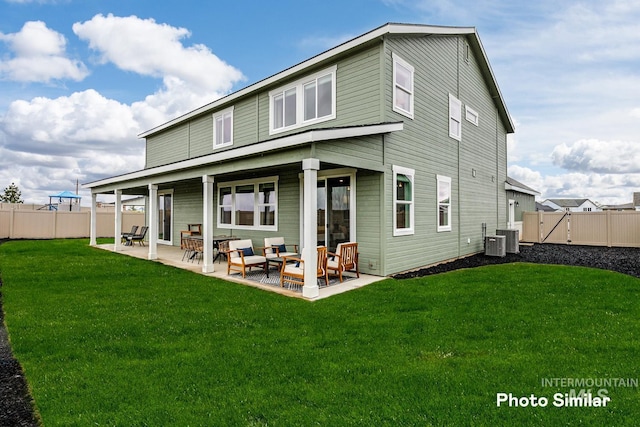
[118, 221]
[310, 232]
[207, 223]
[152, 231]
[93, 227]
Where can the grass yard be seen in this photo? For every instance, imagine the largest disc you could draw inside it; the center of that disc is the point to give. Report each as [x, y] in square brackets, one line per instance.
[106, 339]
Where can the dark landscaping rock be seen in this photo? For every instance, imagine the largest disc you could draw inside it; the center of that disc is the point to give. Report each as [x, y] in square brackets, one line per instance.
[16, 407]
[622, 260]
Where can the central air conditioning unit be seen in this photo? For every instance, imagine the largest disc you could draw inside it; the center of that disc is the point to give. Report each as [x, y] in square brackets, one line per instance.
[513, 240]
[495, 245]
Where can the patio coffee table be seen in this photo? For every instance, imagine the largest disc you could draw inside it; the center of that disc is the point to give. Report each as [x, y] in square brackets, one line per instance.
[278, 260]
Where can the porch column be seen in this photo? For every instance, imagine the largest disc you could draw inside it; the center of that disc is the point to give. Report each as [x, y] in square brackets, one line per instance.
[207, 223]
[93, 226]
[152, 231]
[310, 232]
[118, 221]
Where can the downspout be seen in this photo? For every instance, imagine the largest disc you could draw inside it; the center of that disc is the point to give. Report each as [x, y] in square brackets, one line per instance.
[497, 174]
[459, 214]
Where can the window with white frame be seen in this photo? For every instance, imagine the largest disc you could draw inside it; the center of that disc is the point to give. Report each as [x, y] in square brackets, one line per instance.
[403, 205]
[223, 128]
[248, 204]
[304, 102]
[402, 87]
[471, 115]
[444, 203]
[455, 118]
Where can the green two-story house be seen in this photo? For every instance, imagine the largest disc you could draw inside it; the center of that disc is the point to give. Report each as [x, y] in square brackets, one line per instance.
[395, 139]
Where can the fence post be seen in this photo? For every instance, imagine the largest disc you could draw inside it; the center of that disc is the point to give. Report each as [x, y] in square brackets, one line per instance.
[55, 225]
[609, 228]
[13, 213]
[540, 225]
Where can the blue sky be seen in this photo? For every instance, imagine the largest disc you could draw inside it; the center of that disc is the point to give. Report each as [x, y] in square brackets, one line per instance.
[80, 79]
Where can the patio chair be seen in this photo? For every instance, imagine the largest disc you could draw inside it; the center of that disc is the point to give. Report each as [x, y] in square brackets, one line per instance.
[197, 249]
[188, 249]
[242, 257]
[293, 269]
[345, 259]
[138, 237]
[123, 236]
[275, 247]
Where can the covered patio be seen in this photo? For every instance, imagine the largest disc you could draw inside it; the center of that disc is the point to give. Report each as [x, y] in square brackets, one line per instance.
[173, 256]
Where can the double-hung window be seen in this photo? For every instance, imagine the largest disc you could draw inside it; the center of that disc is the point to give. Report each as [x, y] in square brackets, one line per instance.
[248, 204]
[444, 203]
[223, 128]
[455, 118]
[403, 196]
[303, 102]
[402, 86]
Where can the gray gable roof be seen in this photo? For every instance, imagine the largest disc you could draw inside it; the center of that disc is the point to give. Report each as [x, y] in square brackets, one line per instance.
[375, 34]
[568, 203]
[514, 185]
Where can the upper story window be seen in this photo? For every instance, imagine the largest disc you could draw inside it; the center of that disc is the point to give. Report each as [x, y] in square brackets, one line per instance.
[402, 87]
[223, 128]
[403, 213]
[249, 205]
[444, 203]
[304, 102]
[455, 118]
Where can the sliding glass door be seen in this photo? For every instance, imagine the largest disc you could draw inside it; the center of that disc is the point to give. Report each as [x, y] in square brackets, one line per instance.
[165, 217]
[334, 211]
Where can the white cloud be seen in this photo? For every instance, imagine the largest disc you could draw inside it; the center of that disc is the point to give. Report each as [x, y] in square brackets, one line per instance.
[80, 122]
[39, 56]
[601, 188]
[592, 155]
[86, 135]
[148, 48]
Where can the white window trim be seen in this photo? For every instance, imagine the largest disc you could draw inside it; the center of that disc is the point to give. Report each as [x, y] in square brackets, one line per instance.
[471, 115]
[439, 179]
[405, 64]
[299, 86]
[256, 205]
[215, 133]
[453, 101]
[411, 174]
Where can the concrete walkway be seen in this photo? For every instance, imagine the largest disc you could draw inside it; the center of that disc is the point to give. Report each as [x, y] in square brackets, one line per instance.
[172, 255]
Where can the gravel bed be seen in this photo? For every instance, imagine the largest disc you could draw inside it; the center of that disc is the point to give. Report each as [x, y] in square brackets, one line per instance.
[622, 260]
[16, 407]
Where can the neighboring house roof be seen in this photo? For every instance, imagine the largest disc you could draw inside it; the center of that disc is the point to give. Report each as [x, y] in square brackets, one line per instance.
[623, 207]
[514, 185]
[373, 35]
[544, 208]
[569, 203]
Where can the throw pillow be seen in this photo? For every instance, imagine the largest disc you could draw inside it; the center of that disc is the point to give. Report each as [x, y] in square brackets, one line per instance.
[247, 251]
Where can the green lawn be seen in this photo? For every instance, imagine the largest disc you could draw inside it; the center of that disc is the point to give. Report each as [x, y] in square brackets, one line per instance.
[106, 339]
